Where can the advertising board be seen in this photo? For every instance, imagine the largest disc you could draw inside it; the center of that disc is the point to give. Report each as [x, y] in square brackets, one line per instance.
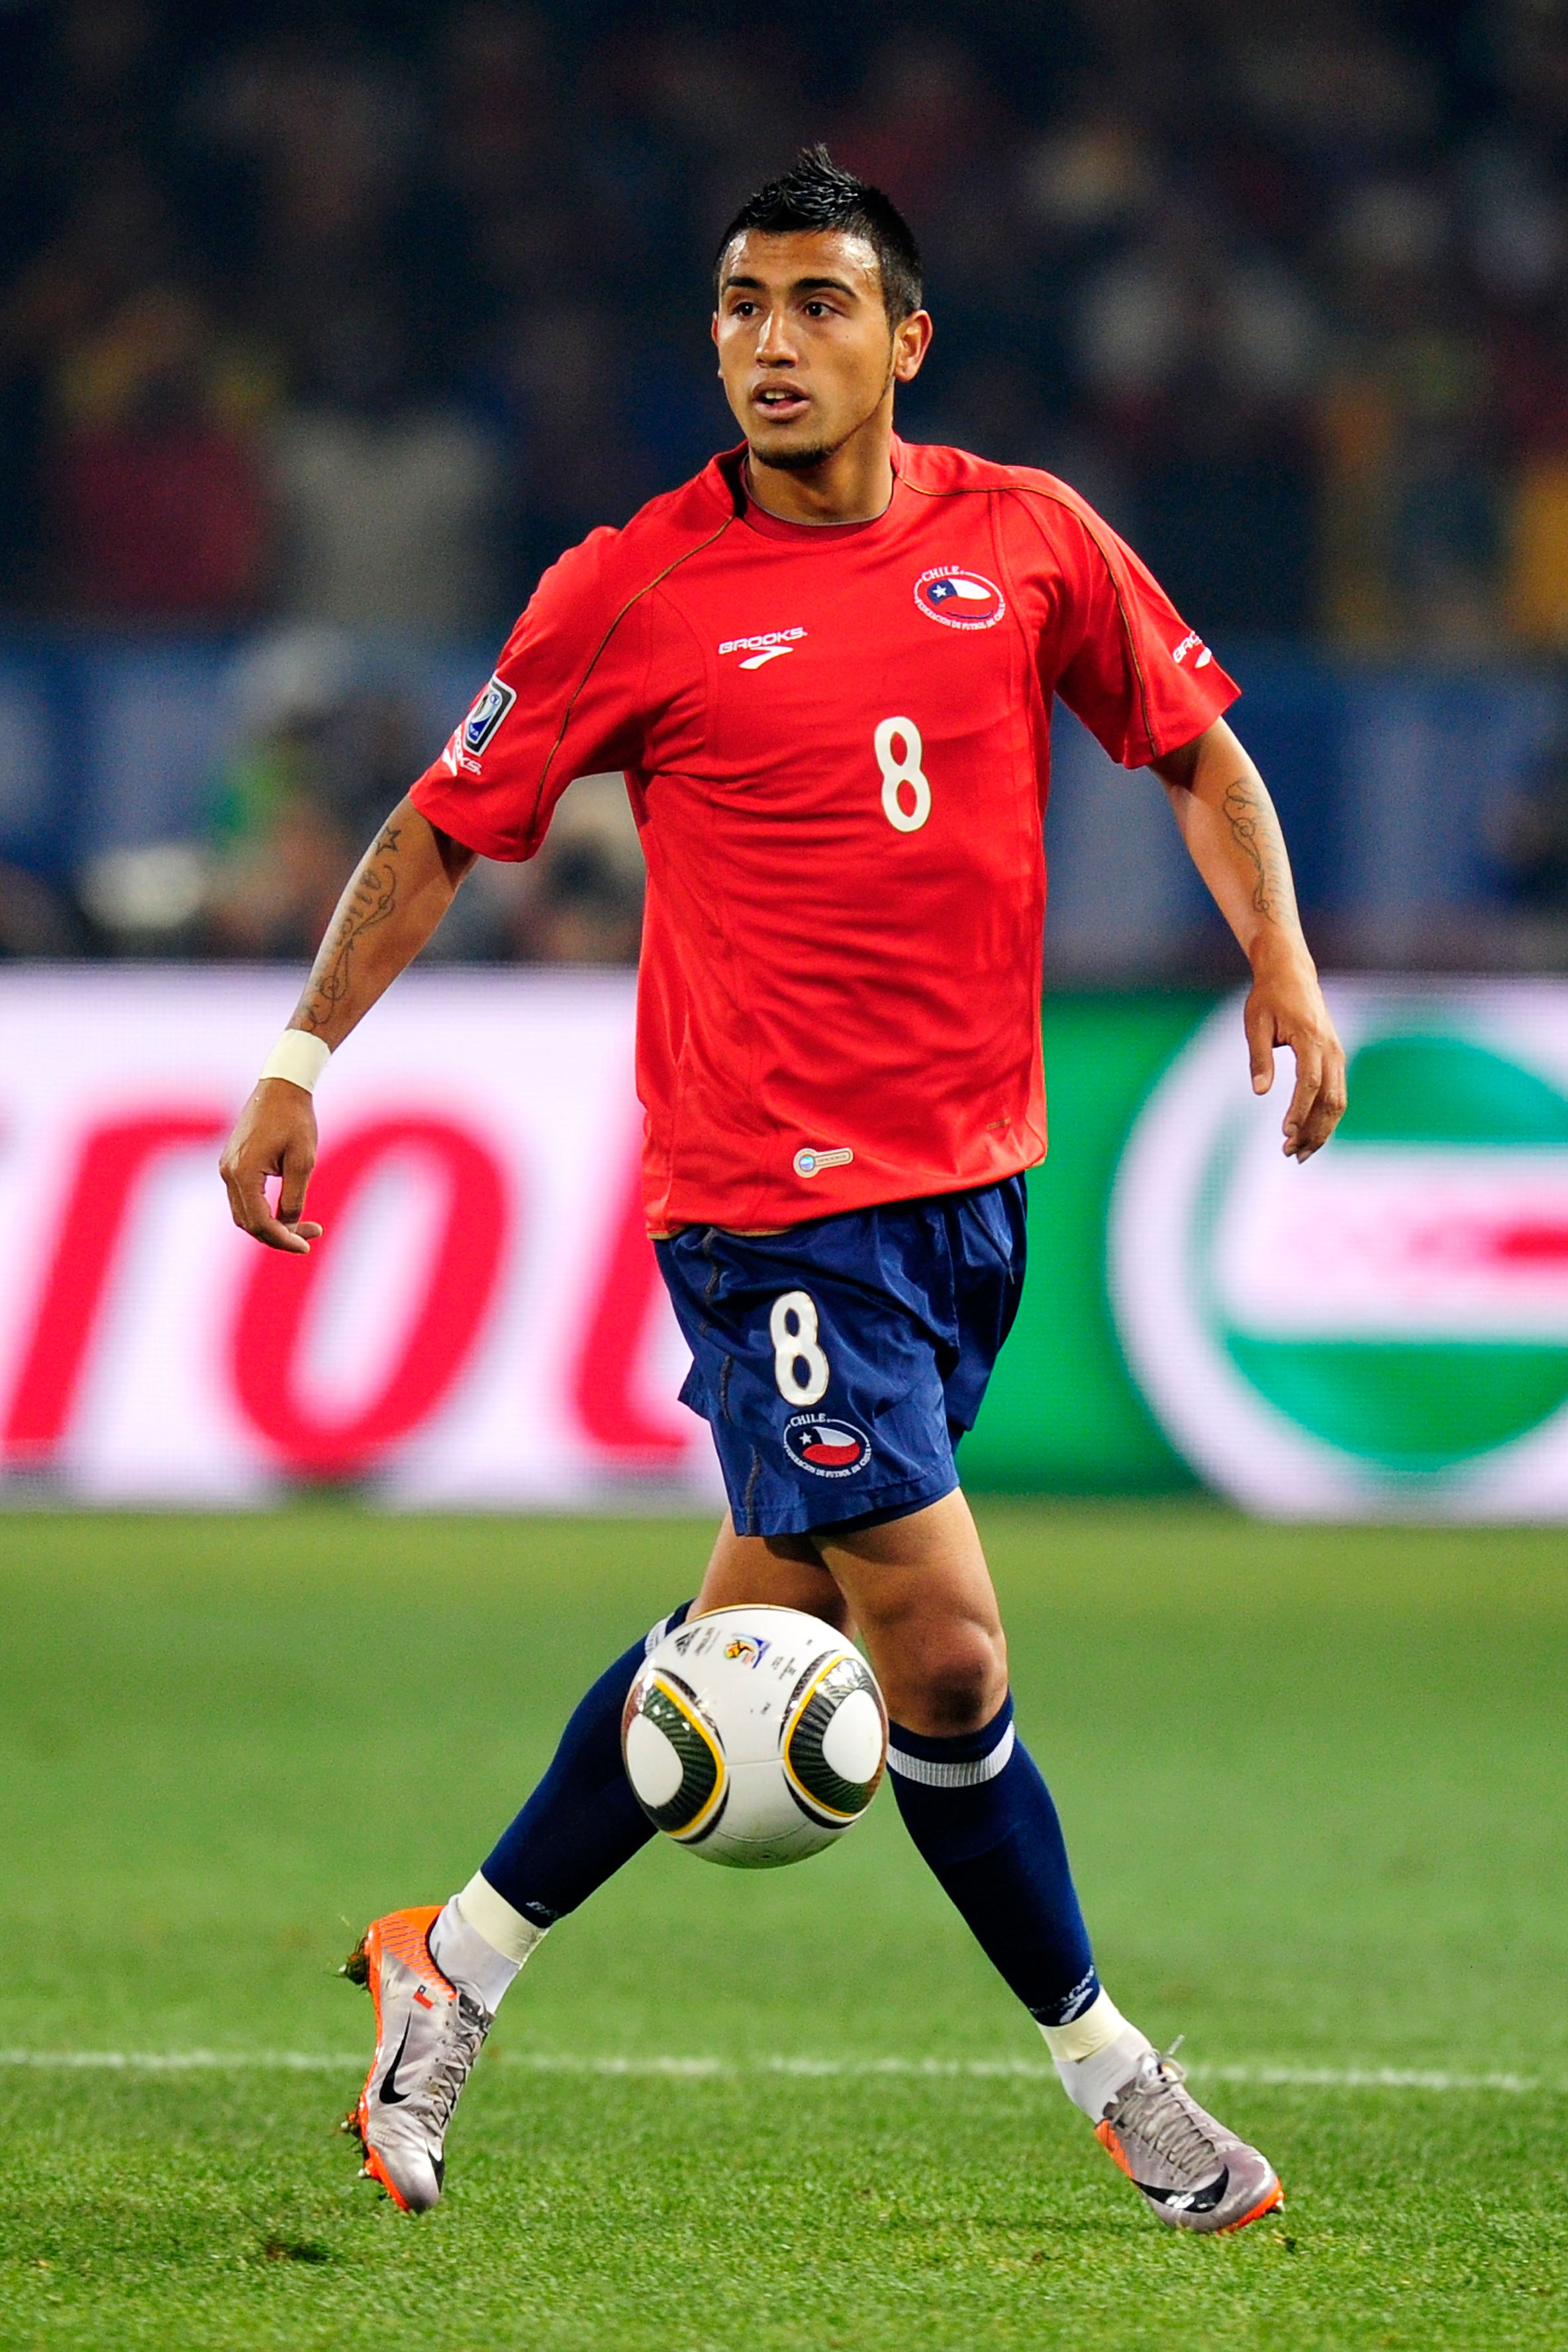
[483, 1323]
[1382, 1332]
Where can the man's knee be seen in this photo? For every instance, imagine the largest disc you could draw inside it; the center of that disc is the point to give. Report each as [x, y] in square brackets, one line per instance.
[957, 1682]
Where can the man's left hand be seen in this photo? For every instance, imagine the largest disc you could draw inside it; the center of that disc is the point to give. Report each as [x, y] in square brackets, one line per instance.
[1287, 1008]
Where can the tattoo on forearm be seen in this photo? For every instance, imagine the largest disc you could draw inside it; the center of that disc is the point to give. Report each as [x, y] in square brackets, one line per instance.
[1255, 833]
[373, 895]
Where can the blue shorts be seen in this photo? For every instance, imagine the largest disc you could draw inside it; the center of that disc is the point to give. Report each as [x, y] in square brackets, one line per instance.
[838, 1363]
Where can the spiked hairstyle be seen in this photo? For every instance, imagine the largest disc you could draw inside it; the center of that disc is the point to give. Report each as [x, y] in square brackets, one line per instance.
[815, 194]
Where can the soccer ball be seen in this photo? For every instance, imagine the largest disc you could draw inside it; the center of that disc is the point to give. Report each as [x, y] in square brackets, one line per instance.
[754, 1737]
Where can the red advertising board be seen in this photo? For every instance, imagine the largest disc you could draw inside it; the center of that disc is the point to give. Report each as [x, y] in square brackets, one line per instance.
[483, 1323]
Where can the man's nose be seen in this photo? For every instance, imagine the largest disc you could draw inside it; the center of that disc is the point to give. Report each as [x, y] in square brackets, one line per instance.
[774, 344]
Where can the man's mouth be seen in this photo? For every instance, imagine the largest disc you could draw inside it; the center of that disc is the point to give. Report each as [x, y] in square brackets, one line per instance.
[781, 403]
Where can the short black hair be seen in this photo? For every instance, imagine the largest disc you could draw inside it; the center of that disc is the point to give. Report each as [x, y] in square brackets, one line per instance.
[815, 193]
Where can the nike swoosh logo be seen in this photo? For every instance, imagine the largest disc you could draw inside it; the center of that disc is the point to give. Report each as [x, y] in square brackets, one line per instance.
[389, 2095]
[1192, 2201]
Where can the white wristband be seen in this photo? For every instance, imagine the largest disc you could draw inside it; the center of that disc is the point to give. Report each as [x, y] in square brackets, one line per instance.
[299, 1057]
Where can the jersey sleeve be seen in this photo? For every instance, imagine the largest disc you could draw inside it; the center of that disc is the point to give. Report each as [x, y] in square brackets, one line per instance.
[567, 698]
[1119, 654]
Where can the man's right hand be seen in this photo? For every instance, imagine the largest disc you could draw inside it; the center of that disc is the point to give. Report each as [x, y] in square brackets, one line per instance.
[275, 1136]
[394, 900]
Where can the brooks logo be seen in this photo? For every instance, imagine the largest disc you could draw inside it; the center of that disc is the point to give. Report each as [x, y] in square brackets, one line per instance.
[760, 650]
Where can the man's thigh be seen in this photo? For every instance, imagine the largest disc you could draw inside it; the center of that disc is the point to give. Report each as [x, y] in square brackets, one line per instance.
[917, 1589]
[778, 1572]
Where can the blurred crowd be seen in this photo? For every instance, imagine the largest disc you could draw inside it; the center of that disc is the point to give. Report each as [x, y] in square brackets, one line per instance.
[351, 317]
[318, 733]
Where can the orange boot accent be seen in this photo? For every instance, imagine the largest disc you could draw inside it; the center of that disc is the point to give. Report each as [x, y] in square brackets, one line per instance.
[406, 1936]
[1270, 2204]
[377, 2171]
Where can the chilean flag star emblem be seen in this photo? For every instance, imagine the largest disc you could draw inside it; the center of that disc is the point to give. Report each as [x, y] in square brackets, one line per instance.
[829, 1447]
[959, 598]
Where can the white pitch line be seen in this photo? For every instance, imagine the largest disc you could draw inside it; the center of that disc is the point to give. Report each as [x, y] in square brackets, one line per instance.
[561, 2061]
[1376, 2078]
[179, 2062]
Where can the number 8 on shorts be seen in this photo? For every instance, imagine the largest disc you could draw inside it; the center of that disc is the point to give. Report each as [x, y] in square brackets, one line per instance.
[792, 1326]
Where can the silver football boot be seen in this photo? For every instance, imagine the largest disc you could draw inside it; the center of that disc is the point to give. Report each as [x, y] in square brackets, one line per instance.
[1194, 2173]
[428, 2034]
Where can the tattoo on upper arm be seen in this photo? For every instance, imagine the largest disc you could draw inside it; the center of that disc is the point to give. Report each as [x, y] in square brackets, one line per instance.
[1254, 830]
[373, 895]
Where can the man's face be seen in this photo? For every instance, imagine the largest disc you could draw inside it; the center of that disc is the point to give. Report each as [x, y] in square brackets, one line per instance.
[805, 347]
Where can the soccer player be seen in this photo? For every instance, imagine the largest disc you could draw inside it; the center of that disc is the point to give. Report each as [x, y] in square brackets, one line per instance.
[827, 666]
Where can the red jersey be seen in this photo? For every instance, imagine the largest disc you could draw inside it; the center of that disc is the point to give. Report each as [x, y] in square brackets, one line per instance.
[836, 740]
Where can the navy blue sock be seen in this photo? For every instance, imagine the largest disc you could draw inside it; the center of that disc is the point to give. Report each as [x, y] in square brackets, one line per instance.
[583, 1822]
[983, 1817]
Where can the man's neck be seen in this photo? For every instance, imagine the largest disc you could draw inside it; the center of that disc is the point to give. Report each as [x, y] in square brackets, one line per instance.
[852, 484]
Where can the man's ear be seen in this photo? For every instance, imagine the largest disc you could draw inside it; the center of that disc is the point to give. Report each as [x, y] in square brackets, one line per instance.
[911, 340]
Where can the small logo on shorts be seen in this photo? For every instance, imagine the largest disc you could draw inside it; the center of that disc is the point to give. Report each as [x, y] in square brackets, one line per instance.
[812, 1163]
[832, 1449]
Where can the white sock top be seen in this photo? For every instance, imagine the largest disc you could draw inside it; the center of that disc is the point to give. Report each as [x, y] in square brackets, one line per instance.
[1092, 2082]
[469, 1949]
[1096, 2029]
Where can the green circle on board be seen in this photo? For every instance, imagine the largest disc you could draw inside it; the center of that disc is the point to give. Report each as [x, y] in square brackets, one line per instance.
[1421, 1406]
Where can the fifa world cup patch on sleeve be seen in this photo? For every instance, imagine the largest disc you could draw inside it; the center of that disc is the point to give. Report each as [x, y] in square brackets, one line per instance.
[478, 728]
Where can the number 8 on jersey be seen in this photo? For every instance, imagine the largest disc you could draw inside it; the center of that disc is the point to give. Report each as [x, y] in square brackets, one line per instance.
[902, 773]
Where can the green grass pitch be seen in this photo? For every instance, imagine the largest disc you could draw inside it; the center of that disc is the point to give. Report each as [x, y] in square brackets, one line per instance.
[1314, 1785]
